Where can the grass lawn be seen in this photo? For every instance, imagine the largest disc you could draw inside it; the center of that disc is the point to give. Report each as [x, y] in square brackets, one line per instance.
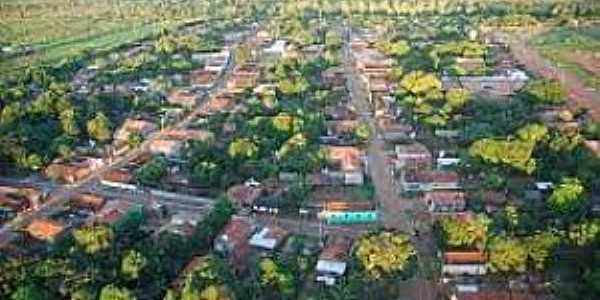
[575, 49]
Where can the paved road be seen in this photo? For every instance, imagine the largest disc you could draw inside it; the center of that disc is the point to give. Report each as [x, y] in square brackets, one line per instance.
[579, 95]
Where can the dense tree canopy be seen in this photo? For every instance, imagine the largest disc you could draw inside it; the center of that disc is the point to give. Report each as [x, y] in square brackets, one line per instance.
[94, 239]
[112, 292]
[567, 196]
[465, 233]
[384, 254]
[243, 148]
[507, 255]
[546, 91]
[152, 171]
[99, 128]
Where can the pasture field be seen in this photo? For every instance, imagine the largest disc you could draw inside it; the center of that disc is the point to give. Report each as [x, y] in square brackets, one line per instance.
[46, 31]
[574, 49]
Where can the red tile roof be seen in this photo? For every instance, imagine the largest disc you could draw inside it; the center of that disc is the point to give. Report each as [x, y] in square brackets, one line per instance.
[183, 97]
[44, 229]
[429, 176]
[202, 77]
[90, 201]
[219, 103]
[349, 158]
[118, 175]
[243, 195]
[445, 197]
[237, 231]
[464, 257]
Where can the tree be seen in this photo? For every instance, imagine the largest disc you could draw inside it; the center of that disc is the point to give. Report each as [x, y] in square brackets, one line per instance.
[397, 49]
[152, 171]
[166, 43]
[592, 281]
[546, 91]
[533, 133]
[99, 127]
[112, 292]
[83, 294]
[507, 255]
[213, 292]
[456, 99]
[565, 140]
[585, 233]
[539, 247]
[133, 264]
[170, 295]
[68, 120]
[94, 238]
[27, 292]
[567, 197]
[207, 173]
[422, 85]
[134, 140]
[363, 131]
[470, 232]
[242, 148]
[293, 86]
[274, 275]
[205, 281]
[242, 54]
[517, 154]
[385, 253]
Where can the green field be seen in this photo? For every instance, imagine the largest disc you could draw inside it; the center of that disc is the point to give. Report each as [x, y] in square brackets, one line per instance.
[54, 29]
[575, 49]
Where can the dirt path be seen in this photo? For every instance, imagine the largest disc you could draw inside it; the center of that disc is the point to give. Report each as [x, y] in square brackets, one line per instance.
[396, 212]
[579, 95]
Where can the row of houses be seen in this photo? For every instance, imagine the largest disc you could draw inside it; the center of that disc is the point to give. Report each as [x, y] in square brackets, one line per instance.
[241, 238]
[17, 199]
[81, 209]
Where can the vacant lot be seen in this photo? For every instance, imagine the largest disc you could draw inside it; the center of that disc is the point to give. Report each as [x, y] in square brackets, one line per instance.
[575, 49]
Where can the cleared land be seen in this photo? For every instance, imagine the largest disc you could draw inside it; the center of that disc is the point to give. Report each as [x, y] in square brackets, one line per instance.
[574, 49]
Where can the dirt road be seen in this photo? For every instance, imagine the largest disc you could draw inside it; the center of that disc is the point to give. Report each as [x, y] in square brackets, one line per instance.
[579, 95]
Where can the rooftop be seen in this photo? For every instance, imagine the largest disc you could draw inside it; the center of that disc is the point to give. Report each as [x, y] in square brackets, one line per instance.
[142, 127]
[412, 149]
[349, 158]
[118, 175]
[445, 197]
[91, 201]
[45, 229]
[336, 248]
[244, 195]
[113, 211]
[269, 238]
[430, 176]
[464, 257]
[236, 232]
[217, 104]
